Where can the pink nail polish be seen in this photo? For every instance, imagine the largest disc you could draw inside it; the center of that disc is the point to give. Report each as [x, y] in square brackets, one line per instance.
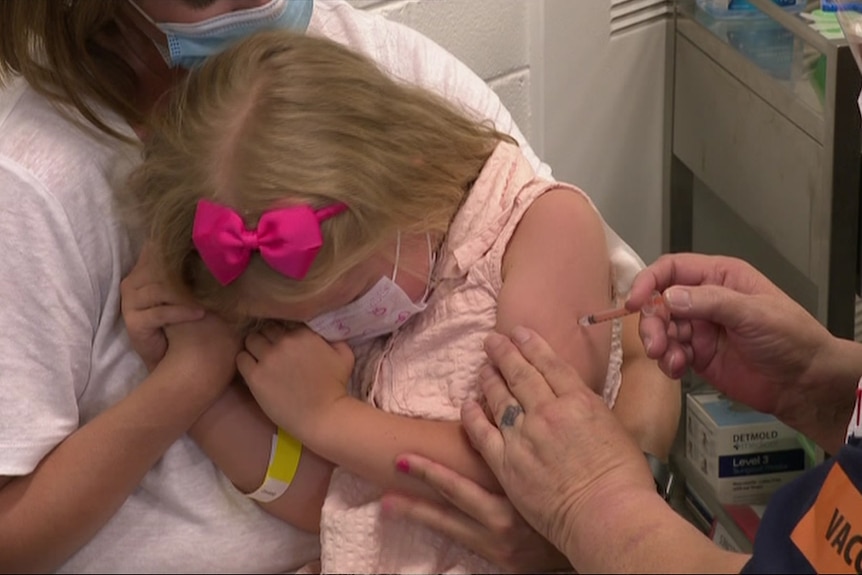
[403, 466]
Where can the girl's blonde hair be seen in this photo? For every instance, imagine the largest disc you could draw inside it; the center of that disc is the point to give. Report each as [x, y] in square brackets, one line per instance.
[282, 119]
[55, 45]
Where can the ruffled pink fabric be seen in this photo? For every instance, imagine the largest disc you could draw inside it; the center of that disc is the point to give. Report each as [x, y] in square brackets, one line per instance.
[429, 368]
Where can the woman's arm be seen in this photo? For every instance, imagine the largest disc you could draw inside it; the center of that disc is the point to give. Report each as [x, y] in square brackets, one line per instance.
[233, 431]
[49, 514]
[570, 469]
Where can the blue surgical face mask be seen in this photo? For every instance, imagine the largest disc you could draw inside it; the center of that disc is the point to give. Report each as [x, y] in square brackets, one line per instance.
[190, 44]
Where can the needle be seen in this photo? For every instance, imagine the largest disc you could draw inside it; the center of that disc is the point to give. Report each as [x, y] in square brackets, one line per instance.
[615, 312]
[603, 316]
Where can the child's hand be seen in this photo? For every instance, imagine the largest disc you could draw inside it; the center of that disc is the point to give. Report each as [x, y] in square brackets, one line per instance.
[148, 305]
[203, 352]
[295, 376]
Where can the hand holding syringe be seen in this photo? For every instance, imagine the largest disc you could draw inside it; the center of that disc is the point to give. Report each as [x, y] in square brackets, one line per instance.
[655, 305]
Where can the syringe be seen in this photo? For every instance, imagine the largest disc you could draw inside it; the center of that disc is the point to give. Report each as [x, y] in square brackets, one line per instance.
[615, 312]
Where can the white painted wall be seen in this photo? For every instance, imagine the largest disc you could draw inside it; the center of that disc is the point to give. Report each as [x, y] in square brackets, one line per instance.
[601, 86]
[584, 80]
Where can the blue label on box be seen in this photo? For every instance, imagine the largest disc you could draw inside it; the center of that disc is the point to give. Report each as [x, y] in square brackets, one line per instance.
[761, 463]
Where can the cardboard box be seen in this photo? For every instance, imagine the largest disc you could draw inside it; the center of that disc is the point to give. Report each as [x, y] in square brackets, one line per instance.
[743, 455]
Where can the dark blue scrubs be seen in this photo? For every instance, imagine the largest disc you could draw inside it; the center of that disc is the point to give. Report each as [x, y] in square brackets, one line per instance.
[814, 523]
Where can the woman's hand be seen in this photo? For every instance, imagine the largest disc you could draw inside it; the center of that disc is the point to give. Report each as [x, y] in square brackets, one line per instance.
[148, 305]
[735, 328]
[556, 449]
[295, 376]
[481, 521]
[729, 322]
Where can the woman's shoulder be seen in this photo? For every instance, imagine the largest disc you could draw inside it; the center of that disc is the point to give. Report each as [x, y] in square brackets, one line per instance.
[406, 54]
[48, 150]
[28, 119]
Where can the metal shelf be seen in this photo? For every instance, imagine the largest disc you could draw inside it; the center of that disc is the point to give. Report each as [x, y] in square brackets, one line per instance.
[766, 131]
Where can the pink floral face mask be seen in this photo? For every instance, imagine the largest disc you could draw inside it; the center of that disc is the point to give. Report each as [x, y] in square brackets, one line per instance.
[381, 310]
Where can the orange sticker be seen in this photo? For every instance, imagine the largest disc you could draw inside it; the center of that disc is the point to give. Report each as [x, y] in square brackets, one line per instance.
[830, 534]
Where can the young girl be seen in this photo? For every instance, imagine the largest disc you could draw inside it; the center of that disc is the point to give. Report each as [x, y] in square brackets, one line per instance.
[293, 183]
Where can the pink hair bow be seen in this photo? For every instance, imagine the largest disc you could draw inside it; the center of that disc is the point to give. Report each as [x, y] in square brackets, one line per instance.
[288, 239]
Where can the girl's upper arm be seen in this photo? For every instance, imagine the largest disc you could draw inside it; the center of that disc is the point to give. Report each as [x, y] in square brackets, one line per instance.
[555, 269]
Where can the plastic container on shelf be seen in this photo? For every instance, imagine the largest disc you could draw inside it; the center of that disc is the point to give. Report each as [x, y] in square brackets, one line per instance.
[763, 40]
[733, 9]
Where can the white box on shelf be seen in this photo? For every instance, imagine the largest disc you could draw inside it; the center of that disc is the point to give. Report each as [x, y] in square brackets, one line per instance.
[743, 455]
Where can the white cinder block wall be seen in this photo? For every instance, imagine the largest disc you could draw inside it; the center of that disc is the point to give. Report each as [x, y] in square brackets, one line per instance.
[583, 79]
[490, 36]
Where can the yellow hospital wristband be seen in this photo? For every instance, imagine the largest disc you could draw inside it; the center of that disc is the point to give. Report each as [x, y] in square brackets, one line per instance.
[283, 461]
